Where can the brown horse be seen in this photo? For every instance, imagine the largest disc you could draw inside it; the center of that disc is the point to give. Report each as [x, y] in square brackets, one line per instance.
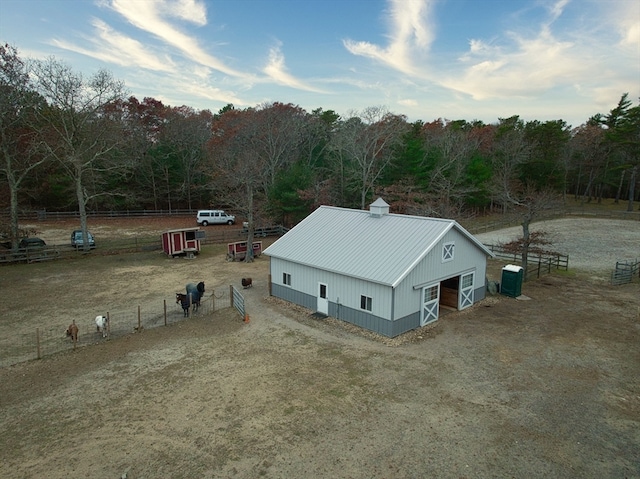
[72, 331]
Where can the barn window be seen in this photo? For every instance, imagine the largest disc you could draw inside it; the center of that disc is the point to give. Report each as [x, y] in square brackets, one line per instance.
[447, 251]
[430, 293]
[365, 302]
[189, 235]
[286, 279]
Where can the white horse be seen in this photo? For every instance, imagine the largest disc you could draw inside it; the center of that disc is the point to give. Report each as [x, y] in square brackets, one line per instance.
[102, 325]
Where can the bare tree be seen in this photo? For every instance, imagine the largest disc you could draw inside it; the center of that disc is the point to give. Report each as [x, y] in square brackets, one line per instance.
[511, 151]
[185, 133]
[365, 144]
[450, 149]
[235, 171]
[82, 133]
[18, 134]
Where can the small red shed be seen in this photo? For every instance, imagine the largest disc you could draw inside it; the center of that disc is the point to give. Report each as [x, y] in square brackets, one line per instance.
[238, 250]
[183, 241]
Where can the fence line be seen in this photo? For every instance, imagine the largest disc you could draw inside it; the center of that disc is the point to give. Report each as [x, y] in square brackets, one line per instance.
[625, 271]
[46, 340]
[44, 215]
[537, 264]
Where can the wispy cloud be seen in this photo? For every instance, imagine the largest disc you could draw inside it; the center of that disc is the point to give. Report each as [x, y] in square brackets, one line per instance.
[410, 35]
[525, 66]
[150, 16]
[112, 47]
[277, 71]
[528, 66]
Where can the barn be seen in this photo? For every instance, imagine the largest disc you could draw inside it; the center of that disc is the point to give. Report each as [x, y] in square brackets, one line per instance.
[384, 272]
[185, 241]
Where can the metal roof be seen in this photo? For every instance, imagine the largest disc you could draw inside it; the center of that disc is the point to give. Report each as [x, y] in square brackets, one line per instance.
[382, 249]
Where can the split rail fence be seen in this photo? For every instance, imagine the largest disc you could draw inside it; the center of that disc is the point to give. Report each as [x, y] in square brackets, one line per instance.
[47, 339]
[537, 264]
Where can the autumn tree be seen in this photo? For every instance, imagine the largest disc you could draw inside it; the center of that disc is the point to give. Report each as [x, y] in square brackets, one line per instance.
[143, 122]
[83, 129]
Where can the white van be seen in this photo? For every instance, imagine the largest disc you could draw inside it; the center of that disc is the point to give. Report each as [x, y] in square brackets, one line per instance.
[214, 217]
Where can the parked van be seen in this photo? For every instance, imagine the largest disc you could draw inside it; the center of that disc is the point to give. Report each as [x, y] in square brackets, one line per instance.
[214, 217]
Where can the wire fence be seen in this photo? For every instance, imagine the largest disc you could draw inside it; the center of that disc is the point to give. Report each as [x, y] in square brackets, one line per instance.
[46, 339]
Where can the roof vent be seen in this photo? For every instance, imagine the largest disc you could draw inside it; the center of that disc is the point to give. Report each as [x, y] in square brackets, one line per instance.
[378, 208]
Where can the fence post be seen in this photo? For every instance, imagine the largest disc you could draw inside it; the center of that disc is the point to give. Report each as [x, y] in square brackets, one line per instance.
[165, 311]
[230, 295]
[269, 279]
[213, 302]
[138, 317]
[108, 324]
[38, 343]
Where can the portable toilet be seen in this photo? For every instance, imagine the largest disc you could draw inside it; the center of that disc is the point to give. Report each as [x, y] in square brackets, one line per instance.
[511, 284]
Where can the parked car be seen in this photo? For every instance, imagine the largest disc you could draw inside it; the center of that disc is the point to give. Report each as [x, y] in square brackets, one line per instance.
[78, 242]
[32, 243]
[214, 217]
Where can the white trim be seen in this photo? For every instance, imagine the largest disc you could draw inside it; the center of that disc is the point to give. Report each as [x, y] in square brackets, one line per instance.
[448, 251]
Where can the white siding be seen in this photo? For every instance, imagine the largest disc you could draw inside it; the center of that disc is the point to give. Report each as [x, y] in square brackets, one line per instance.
[341, 289]
[467, 257]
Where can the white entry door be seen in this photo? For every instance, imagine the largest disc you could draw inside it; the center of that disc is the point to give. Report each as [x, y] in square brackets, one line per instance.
[323, 299]
[465, 299]
[430, 304]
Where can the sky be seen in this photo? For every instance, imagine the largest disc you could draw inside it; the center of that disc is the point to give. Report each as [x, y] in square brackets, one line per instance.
[425, 59]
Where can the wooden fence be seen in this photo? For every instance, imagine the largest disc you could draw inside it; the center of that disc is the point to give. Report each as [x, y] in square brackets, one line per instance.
[44, 215]
[537, 264]
[127, 245]
[625, 271]
[47, 340]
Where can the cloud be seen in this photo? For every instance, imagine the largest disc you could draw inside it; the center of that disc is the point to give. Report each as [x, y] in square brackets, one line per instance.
[528, 67]
[113, 47]
[524, 66]
[277, 71]
[410, 35]
[149, 16]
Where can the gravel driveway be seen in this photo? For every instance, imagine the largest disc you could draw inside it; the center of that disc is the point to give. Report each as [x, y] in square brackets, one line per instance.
[593, 244]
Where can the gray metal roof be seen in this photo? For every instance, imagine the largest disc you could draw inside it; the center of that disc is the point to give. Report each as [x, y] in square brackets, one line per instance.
[382, 249]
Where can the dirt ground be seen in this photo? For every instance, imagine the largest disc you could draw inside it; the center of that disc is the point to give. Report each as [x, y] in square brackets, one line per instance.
[546, 386]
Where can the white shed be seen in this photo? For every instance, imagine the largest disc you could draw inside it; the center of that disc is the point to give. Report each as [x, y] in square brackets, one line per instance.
[388, 273]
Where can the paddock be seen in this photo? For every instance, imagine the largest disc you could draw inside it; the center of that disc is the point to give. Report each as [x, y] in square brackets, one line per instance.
[546, 386]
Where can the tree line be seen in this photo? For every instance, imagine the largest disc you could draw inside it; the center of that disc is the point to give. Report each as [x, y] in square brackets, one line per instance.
[71, 142]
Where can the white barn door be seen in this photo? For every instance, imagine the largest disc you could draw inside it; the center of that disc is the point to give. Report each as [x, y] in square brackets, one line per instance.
[323, 299]
[430, 304]
[465, 298]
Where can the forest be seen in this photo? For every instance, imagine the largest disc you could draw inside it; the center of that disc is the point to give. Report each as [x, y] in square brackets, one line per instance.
[75, 143]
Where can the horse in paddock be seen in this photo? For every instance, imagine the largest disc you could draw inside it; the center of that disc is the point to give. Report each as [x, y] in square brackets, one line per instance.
[72, 331]
[102, 325]
[184, 301]
[195, 292]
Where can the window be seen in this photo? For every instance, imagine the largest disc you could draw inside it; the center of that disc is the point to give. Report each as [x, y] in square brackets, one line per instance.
[447, 252]
[430, 293]
[365, 302]
[467, 281]
[286, 279]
